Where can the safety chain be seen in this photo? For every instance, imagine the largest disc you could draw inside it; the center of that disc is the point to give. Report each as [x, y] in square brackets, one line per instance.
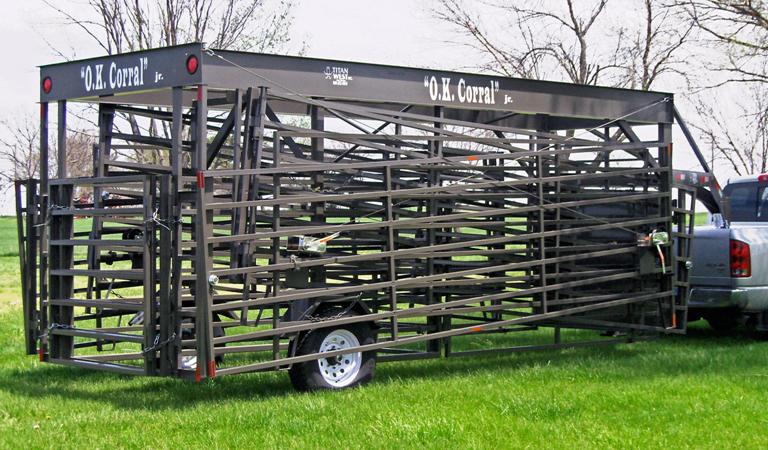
[157, 344]
[316, 319]
[56, 326]
[312, 318]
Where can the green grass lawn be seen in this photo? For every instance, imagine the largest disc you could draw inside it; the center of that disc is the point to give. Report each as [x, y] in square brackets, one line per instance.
[695, 391]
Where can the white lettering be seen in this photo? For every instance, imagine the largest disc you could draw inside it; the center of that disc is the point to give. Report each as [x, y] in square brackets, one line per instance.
[88, 79]
[99, 79]
[118, 77]
[433, 88]
[446, 89]
[112, 77]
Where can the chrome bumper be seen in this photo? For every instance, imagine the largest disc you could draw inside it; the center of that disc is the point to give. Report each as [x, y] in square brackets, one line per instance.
[746, 299]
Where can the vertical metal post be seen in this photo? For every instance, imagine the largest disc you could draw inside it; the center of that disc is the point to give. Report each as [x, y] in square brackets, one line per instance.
[62, 258]
[391, 247]
[276, 150]
[203, 251]
[149, 281]
[317, 274]
[102, 151]
[176, 236]
[541, 175]
[167, 324]
[244, 182]
[435, 150]
[668, 281]
[62, 140]
[44, 194]
[237, 128]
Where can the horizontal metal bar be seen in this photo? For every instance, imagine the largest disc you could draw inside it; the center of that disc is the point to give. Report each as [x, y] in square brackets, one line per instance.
[120, 304]
[98, 212]
[133, 243]
[98, 181]
[134, 274]
[93, 334]
[109, 367]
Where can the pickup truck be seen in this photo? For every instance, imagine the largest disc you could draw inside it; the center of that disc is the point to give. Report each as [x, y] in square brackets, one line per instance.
[729, 277]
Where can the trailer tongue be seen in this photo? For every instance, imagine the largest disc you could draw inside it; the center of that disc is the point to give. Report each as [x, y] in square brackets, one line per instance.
[320, 216]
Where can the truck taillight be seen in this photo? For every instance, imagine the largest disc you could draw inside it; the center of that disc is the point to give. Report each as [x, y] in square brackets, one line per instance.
[741, 263]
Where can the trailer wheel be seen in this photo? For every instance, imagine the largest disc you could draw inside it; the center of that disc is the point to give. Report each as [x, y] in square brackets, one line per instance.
[338, 372]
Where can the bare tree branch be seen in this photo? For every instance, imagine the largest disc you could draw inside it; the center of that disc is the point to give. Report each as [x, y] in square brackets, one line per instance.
[568, 44]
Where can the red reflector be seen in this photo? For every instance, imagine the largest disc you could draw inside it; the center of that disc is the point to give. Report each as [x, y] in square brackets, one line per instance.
[703, 179]
[741, 262]
[198, 377]
[200, 179]
[763, 178]
[680, 176]
[192, 64]
[40, 354]
[212, 369]
[47, 85]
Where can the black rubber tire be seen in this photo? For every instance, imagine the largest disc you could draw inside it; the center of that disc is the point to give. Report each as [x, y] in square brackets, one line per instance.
[306, 376]
[724, 320]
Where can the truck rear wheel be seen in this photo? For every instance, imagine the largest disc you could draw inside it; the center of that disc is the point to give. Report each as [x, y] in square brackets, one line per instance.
[336, 372]
[724, 320]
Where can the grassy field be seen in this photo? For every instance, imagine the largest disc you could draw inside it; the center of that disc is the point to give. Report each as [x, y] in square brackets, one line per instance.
[695, 391]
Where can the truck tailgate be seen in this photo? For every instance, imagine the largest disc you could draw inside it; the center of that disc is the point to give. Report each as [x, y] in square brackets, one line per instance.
[711, 260]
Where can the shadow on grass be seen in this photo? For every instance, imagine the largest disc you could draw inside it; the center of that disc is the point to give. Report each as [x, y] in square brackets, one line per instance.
[668, 358]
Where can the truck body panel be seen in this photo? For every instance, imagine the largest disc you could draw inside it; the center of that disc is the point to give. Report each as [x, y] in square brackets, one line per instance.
[712, 285]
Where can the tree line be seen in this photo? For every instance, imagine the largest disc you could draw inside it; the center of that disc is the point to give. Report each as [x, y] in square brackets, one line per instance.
[706, 49]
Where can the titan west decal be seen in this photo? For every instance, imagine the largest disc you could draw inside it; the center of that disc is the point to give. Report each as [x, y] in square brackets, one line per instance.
[339, 76]
[97, 77]
[463, 92]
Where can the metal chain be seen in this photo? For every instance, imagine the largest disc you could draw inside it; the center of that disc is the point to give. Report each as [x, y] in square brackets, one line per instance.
[312, 318]
[56, 326]
[157, 344]
[316, 319]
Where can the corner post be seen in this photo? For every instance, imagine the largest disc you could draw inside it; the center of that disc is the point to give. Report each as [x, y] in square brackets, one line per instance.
[203, 221]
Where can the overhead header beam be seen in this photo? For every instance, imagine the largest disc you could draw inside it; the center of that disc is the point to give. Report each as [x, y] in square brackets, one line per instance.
[145, 75]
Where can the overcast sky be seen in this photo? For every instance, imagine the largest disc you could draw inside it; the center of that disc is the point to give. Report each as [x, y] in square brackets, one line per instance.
[392, 32]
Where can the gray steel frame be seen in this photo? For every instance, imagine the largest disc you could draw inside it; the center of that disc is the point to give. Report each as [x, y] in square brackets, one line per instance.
[482, 205]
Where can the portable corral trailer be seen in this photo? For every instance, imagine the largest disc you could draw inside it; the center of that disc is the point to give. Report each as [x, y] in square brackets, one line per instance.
[317, 216]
